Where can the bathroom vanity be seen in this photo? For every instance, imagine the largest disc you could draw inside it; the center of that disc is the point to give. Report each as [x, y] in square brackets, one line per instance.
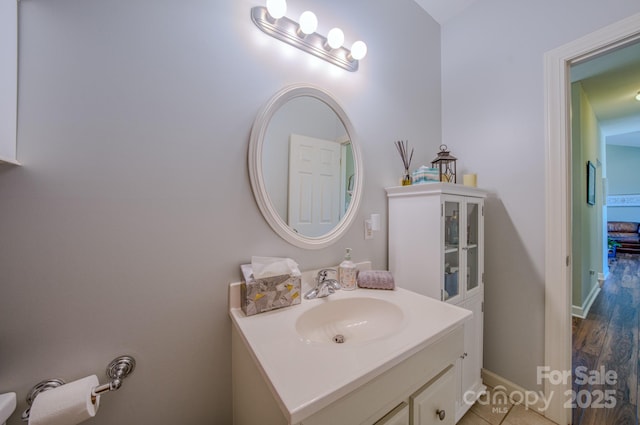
[393, 365]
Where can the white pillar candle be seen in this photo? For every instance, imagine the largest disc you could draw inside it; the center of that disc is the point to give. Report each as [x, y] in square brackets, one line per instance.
[470, 180]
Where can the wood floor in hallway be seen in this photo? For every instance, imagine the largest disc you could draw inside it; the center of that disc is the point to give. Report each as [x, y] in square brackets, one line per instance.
[607, 340]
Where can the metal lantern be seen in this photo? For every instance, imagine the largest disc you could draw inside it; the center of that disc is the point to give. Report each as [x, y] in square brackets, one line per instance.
[446, 164]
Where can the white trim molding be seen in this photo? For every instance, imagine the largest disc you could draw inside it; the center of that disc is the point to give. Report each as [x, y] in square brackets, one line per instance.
[558, 192]
[581, 311]
[623, 201]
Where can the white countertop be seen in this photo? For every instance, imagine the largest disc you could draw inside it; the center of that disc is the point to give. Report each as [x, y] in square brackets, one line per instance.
[306, 377]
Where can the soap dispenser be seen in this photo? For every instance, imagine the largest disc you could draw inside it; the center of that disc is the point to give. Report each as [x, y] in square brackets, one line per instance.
[347, 272]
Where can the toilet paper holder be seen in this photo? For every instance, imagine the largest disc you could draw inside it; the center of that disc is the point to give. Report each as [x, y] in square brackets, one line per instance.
[117, 370]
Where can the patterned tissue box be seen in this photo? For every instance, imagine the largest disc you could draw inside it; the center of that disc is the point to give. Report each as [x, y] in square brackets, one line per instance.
[426, 174]
[269, 293]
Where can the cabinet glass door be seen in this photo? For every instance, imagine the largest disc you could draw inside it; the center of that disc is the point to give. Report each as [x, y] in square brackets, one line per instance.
[472, 246]
[451, 249]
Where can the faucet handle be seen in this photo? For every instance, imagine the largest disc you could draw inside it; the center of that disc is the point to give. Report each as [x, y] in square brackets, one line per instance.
[332, 283]
[322, 274]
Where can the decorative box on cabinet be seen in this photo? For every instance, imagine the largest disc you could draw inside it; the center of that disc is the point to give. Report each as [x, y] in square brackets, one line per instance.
[436, 248]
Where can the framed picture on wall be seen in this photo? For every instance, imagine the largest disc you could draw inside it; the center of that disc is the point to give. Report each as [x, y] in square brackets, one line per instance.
[591, 183]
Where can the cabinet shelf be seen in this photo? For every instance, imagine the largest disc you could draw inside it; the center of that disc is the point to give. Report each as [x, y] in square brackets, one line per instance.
[448, 249]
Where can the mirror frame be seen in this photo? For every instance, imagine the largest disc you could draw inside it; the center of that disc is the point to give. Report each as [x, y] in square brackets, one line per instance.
[256, 146]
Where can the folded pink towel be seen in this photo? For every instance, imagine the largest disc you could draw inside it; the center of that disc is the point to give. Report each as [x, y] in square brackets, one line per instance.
[375, 279]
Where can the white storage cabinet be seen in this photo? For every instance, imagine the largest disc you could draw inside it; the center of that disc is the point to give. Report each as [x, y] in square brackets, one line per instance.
[436, 248]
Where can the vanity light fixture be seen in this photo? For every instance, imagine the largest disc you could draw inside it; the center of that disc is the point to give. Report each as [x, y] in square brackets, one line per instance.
[335, 38]
[308, 23]
[638, 97]
[358, 50]
[277, 8]
[272, 20]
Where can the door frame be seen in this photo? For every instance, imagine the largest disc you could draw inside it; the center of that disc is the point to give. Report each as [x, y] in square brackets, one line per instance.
[557, 352]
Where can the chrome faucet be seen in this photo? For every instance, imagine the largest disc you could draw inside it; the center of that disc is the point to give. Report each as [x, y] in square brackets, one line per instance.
[324, 287]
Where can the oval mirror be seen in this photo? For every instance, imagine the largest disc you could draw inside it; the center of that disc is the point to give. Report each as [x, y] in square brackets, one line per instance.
[305, 166]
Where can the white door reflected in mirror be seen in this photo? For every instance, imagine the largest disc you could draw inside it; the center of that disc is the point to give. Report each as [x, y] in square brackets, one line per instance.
[314, 185]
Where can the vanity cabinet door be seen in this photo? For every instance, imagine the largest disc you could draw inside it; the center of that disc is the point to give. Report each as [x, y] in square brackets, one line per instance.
[398, 416]
[435, 403]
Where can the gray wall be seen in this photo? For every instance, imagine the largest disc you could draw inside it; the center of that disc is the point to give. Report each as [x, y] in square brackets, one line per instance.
[586, 219]
[493, 117]
[133, 211]
[623, 178]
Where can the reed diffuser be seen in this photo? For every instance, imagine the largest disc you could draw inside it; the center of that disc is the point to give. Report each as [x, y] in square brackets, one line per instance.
[406, 156]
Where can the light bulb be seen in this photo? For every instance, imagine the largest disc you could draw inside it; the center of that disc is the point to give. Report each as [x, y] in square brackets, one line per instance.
[638, 97]
[308, 22]
[358, 50]
[335, 38]
[277, 8]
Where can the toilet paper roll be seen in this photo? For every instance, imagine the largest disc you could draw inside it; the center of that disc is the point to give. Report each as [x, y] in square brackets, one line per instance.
[68, 404]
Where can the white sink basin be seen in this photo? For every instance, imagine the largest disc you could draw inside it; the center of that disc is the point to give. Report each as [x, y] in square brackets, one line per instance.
[7, 406]
[349, 320]
[294, 350]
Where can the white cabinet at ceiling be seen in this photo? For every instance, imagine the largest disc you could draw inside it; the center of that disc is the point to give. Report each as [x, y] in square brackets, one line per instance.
[8, 80]
[436, 248]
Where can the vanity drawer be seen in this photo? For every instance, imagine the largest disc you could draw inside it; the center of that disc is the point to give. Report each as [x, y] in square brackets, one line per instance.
[435, 402]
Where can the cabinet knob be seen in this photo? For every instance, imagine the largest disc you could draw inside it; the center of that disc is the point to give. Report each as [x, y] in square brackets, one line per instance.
[441, 414]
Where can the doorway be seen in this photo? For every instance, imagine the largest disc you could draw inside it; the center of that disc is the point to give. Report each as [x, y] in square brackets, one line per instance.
[558, 244]
[604, 119]
[604, 114]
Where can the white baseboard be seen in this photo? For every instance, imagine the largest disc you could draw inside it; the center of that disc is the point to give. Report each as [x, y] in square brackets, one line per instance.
[581, 312]
[602, 277]
[515, 392]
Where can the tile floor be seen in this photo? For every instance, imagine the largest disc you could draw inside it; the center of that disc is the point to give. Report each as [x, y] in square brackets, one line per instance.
[495, 409]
